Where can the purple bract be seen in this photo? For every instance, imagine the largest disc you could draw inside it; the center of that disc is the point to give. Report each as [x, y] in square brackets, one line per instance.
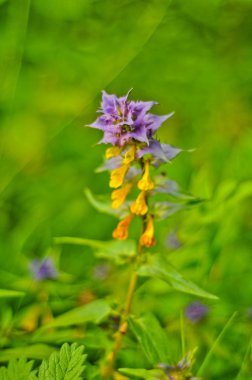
[124, 121]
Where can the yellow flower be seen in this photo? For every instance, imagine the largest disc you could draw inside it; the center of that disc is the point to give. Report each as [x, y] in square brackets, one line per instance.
[117, 176]
[139, 207]
[147, 239]
[145, 182]
[112, 152]
[121, 231]
[119, 196]
[129, 155]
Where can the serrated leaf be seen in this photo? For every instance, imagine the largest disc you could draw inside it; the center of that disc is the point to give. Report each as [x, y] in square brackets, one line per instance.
[151, 337]
[67, 364]
[103, 204]
[6, 293]
[35, 351]
[159, 267]
[18, 370]
[115, 250]
[94, 312]
[148, 374]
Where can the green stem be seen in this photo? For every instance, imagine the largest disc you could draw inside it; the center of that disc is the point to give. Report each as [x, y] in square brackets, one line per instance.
[123, 328]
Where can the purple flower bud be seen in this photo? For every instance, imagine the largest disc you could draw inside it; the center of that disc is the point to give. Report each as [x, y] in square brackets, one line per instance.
[196, 311]
[43, 269]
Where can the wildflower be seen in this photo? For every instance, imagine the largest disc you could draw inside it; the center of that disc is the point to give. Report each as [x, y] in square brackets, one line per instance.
[117, 176]
[123, 121]
[146, 183]
[119, 196]
[147, 239]
[139, 207]
[43, 269]
[130, 155]
[196, 311]
[112, 152]
[121, 231]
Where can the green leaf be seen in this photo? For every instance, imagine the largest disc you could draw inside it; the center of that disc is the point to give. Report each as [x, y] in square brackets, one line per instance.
[151, 337]
[67, 364]
[103, 204]
[5, 293]
[163, 209]
[93, 312]
[159, 267]
[18, 370]
[148, 374]
[115, 250]
[35, 351]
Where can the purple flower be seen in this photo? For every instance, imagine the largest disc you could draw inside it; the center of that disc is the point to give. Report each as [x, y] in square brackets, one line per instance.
[123, 121]
[196, 311]
[43, 269]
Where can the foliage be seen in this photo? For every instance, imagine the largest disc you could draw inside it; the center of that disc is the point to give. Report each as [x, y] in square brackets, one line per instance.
[194, 58]
[67, 364]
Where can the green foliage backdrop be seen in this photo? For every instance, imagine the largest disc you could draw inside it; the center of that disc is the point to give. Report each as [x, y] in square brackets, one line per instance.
[193, 57]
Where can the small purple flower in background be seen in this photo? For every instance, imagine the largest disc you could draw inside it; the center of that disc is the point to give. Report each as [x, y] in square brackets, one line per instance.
[123, 121]
[249, 312]
[101, 271]
[42, 269]
[196, 311]
[172, 240]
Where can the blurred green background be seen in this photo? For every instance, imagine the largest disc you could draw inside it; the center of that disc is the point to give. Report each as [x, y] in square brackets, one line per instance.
[193, 57]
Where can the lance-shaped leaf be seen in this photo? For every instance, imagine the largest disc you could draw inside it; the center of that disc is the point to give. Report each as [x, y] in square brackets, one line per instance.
[151, 337]
[94, 312]
[33, 351]
[162, 210]
[159, 267]
[6, 293]
[103, 204]
[115, 250]
[140, 373]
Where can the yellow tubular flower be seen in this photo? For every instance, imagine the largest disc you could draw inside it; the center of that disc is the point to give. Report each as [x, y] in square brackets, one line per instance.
[139, 207]
[145, 182]
[147, 239]
[118, 196]
[130, 155]
[121, 231]
[117, 176]
[112, 152]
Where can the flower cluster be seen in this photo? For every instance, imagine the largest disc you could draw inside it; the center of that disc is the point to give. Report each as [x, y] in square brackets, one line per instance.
[130, 128]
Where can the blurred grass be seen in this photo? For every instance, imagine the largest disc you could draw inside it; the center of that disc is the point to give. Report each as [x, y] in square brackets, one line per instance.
[194, 58]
